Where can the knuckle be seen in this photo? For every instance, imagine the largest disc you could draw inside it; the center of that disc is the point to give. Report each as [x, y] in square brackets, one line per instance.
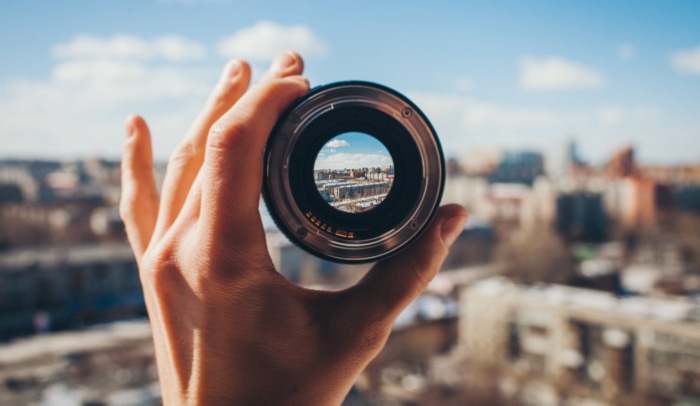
[184, 153]
[157, 267]
[127, 205]
[223, 136]
[124, 210]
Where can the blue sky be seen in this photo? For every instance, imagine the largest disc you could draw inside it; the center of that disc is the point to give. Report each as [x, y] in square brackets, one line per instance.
[353, 150]
[491, 74]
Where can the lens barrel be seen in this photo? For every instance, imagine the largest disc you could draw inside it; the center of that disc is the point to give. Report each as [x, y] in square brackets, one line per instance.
[292, 194]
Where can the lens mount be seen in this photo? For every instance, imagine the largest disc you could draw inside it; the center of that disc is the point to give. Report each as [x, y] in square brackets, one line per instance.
[292, 196]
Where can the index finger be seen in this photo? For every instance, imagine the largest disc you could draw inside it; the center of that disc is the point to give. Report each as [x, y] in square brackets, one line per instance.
[233, 163]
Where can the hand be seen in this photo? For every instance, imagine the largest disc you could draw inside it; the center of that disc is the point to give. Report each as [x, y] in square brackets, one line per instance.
[228, 328]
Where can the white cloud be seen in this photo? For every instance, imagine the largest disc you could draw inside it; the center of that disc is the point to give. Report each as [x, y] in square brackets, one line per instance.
[337, 144]
[615, 115]
[687, 61]
[556, 74]
[170, 48]
[120, 82]
[626, 51]
[352, 161]
[463, 122]
[265, 39]
[80, 108]
[84, 117]
[473, 115]
[476, 114]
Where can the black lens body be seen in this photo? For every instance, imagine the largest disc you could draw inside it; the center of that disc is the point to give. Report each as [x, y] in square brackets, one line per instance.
[291, 194]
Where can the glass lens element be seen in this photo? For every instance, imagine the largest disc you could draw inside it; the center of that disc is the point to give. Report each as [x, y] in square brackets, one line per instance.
[354, 172]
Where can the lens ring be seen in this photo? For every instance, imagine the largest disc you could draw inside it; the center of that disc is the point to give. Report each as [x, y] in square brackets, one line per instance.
[320, 115]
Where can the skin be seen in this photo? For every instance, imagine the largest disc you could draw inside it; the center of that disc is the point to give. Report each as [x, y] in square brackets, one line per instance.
[228, 328]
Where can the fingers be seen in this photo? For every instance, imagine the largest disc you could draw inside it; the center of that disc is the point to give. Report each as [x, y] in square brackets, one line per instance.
[138, 206]
[189, 155]
[232, 175]
[285, 64]
[394, 283]
[232, 171]
[187, 161]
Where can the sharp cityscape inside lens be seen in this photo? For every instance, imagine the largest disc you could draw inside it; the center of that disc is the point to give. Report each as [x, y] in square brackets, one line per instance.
[354, 172]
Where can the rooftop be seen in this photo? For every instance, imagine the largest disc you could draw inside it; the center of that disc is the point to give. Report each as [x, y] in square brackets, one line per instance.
[64, 255]
[668, 309]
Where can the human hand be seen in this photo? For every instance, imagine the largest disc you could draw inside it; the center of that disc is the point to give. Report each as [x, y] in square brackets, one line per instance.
[228, 328]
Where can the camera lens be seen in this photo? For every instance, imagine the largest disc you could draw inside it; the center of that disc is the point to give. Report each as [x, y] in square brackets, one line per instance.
[353, 172]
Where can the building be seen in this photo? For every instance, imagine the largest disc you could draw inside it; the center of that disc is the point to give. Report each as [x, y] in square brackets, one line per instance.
[64, 287]
[465, 190]
[503, 202]
[554, 344]
[109, 364]
[560, 159]
[474, 246]
[580, 216]
[622, 163]
[518, 167]
[480, 161]
[19, 178]
[687, 198]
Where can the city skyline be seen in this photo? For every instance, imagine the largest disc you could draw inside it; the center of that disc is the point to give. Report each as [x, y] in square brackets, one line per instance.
[487, 75]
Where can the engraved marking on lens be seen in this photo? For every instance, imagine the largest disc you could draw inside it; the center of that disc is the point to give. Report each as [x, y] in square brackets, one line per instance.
[407, 112]
[354, 172]
[301, 232]
[318, 223]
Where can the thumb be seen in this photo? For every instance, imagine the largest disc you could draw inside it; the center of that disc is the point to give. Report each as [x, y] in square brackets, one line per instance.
[395, 282]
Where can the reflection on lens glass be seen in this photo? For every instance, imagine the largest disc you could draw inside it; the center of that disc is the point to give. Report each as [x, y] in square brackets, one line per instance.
[354, 172]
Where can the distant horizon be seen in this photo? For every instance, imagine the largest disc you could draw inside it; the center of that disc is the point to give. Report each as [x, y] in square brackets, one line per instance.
[164, 161]
[352, 169]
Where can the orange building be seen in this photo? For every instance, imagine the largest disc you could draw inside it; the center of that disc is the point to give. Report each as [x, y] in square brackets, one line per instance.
[622, 163]
[638, 202]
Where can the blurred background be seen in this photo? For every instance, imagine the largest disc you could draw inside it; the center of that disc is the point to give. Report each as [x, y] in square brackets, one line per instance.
[573, 137]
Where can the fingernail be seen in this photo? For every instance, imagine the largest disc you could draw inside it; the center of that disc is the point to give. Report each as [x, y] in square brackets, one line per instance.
[232, 69]
[130, 128]
[451, 228]
[300, 79]
[284, 60]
